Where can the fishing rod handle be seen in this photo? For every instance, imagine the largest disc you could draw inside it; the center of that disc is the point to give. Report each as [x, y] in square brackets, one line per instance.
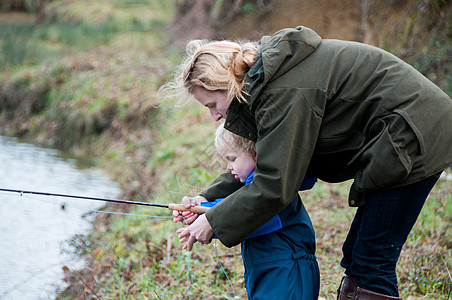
[194, 209]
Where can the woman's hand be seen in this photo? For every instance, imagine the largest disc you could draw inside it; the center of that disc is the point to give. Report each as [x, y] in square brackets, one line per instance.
[200, 231]
[188, 217]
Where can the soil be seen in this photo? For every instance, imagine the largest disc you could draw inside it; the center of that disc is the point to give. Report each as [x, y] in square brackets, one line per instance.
[359, 20]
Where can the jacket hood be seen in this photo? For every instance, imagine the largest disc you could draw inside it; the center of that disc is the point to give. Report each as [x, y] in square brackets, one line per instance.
[280, 52]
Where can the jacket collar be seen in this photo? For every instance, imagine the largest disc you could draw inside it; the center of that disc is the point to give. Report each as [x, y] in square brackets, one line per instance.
[240, 120]
[240, 117]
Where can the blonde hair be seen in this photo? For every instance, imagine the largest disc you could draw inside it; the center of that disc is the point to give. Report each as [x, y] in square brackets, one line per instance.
[226, 140]
[213, 66]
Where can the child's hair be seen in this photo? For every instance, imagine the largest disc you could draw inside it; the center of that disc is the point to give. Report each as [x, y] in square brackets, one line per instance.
[214, 66]
[226, 140]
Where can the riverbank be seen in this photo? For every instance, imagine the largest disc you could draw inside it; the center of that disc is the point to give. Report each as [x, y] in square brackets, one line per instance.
[86, 80]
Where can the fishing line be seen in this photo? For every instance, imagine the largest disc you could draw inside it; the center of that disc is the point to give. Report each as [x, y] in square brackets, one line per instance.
[130, 214]
[189, 253]
[160, 217]
[171, 206]
[58, 202]
[72, 211]
[21, 192]
[224, 271]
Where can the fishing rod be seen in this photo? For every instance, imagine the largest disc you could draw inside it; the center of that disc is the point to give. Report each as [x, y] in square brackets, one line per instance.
[170, 206]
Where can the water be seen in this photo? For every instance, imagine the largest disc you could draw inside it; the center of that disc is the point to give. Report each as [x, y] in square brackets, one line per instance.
[34, 229]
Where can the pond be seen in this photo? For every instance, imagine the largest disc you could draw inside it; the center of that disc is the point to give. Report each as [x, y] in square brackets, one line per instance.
[35, 229]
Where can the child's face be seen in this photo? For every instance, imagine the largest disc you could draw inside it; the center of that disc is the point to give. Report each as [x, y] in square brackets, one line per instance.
[241, 164]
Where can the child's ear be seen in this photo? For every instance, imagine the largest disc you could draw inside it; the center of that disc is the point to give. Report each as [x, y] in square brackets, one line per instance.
[254, 155]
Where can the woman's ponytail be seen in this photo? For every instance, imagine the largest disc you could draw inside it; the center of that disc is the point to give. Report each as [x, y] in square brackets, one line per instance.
[216, 66]
[241, 62]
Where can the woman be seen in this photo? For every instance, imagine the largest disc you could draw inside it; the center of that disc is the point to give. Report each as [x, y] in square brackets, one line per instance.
[338, 110]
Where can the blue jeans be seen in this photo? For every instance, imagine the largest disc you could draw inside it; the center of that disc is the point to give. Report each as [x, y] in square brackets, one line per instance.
[378, 232]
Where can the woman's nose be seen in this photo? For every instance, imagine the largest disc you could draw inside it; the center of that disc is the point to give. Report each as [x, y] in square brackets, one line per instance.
[215, 115]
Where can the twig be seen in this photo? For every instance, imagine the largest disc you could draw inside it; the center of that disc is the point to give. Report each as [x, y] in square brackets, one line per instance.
[157, 294]
[129, 289]
[169, 246]
[89, 288]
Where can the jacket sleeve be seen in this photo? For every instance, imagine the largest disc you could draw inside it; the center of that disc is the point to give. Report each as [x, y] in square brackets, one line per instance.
[222, 186]
[288, 127]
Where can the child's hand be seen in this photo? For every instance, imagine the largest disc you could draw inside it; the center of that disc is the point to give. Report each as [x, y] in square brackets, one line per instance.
[188, 217]
[184, 236]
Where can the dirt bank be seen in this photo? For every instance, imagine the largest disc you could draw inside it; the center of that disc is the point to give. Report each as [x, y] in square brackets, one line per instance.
[418, 31]
[359, 20]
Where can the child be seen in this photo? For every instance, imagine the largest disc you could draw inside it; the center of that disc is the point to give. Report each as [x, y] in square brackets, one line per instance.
[278, 257]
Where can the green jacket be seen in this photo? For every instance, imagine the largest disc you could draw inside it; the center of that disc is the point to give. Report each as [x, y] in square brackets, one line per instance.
[339, 110]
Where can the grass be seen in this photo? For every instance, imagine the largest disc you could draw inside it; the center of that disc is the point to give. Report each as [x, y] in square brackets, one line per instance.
[85, 80]
[99, 77]
[146, 258]
[74, 27]
[425, 268]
